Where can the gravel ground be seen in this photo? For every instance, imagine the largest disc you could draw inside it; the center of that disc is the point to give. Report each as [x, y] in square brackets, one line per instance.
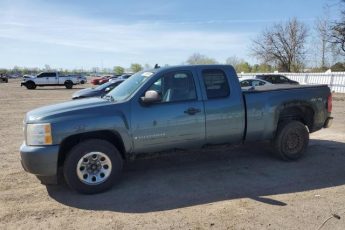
[232, 187]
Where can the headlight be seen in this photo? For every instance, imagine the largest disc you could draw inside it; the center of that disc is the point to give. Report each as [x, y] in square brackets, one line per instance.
[39, 134]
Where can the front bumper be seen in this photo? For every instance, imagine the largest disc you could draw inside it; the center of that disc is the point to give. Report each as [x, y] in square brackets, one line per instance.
[40, 160]
[328, 122]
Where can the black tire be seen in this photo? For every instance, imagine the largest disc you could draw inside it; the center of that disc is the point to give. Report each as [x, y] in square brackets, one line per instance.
[291, 140]
[78, 153]
[30, 85]
[82, 82]
[69, 85]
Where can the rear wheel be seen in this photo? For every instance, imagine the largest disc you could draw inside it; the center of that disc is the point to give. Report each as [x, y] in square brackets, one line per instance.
[291, 140]
[69, 85]
[92, 166]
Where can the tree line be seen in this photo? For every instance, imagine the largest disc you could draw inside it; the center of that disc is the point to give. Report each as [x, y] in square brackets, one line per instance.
[282, 47]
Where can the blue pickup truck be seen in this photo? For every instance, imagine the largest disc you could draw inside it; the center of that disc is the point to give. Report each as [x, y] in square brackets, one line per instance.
[182, 107]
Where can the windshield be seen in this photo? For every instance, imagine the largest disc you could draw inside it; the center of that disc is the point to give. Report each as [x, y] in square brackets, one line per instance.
[128, 87]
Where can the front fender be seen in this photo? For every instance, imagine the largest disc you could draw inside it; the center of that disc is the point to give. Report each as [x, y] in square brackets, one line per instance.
[85, 123]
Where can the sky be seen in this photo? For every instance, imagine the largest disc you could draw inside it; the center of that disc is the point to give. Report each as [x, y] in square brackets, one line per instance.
[85, 34]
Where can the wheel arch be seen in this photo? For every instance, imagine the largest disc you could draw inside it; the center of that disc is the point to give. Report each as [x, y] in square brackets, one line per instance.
[68, 143]
[30, 82]
[298, 111]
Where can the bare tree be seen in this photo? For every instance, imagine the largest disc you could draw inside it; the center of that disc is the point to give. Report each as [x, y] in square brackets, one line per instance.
[199, 59]
[283, 45]
[322, 29]
[337, 36]
[233, 60]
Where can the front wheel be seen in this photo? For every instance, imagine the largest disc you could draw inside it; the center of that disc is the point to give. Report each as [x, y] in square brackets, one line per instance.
[291, 140]
[92, 166]
[30, 85]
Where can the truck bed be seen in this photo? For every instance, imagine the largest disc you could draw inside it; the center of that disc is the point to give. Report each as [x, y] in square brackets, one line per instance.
[265, 103]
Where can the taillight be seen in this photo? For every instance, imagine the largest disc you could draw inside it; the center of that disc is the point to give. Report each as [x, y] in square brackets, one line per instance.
[329, 103]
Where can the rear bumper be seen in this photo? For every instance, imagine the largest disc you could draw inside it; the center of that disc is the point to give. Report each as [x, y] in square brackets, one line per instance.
[40, 160]
[328, 122]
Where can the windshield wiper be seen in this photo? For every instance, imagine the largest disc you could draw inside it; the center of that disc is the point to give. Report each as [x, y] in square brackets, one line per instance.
[109, 98]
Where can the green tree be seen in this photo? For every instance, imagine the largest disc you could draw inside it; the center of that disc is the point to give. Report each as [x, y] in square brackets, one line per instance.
[199, 59]
[135, 67]
[265, 68]
[118, 70]
[255, 68]
[243, 67]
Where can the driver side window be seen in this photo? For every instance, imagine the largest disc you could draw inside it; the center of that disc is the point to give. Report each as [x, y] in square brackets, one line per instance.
[175, 86]
[42, 75]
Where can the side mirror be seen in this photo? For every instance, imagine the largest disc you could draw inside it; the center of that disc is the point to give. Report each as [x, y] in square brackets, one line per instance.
[107, 89]
[150, 97]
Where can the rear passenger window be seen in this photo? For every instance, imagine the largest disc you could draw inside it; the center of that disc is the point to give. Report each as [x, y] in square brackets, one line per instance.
[283, 79]
[216, 83]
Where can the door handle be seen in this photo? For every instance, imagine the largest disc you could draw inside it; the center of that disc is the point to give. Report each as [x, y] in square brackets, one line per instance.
[192, 111]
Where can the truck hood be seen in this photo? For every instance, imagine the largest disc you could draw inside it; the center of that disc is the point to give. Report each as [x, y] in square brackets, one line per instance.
[44, 114]
[25, 77]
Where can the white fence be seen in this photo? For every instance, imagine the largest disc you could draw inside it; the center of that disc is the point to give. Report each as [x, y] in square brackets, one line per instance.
[335, 80]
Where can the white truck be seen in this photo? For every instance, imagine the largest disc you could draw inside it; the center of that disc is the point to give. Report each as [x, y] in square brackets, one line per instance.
[50, 79]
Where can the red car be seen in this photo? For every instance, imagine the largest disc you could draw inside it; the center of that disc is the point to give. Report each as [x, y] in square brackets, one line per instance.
[100, 80]
[104, 79]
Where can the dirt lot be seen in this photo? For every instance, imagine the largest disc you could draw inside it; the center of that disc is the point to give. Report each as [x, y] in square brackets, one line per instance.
[239, 187]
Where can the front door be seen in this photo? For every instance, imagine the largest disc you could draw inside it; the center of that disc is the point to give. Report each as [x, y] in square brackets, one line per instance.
[53, 79]
[42, 79]
[177, 121]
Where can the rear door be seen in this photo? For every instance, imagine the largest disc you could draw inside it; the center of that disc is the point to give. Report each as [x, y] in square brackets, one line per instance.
[224, 107]
[178, 121]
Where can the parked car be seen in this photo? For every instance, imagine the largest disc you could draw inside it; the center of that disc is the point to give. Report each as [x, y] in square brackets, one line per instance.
[104, 80]
[276, 79]
[100, 80]
[123, 77]
[99, 91]
[82, 79]
[3, 78]
[163, 109]
[253, 82]
[49, 79]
